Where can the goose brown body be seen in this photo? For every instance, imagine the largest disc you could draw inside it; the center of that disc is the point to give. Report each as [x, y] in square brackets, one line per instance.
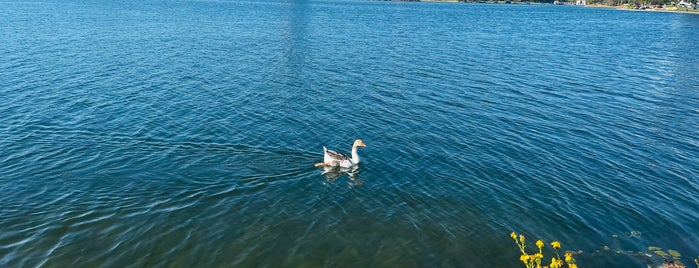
[334, 159]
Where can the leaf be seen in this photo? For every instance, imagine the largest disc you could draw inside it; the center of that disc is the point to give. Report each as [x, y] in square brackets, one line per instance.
[661, 253]
[674, 253]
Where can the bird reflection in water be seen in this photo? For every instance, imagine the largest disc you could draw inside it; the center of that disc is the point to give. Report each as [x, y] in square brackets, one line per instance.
[333, 173]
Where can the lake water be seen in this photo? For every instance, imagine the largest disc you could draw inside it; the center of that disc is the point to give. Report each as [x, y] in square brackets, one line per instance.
[184, 133]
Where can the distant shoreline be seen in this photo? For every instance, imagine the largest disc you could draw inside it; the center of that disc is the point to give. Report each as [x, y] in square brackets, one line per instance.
[627, 8]
[474, 2]
[666, 9]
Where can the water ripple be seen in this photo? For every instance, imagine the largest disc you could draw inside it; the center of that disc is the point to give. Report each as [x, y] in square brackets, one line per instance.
[132, 138]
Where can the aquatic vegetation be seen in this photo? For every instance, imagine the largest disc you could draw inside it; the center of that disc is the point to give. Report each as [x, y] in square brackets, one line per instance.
[657, 257]
[534, 260]
[670, 259]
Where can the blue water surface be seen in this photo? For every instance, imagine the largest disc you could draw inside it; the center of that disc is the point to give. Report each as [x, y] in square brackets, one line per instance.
[183, 133]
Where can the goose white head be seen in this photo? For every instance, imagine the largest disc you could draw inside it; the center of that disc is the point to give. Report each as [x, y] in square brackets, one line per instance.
[355, 156]
[358, 142]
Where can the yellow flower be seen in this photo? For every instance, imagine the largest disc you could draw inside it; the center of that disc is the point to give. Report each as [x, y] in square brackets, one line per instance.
[539, 243]
[556, 245]
[569, 257]
[554, 263]
[521, 238]
[538, 256]
[573, 265]
[524, 257]
[513, 235]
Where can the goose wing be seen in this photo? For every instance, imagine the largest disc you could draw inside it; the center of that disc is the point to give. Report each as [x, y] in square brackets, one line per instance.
[331, 156]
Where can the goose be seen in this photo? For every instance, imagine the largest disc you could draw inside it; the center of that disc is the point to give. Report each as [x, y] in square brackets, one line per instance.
[335, 159]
